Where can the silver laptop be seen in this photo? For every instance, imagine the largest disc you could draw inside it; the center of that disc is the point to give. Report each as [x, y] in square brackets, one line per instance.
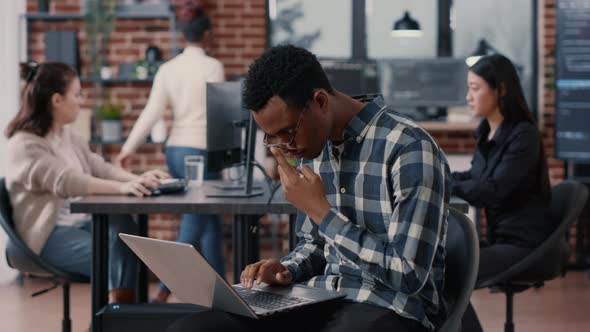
[190, 277]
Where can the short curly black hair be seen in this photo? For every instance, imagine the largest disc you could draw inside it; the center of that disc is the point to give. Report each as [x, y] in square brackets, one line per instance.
[287, 71]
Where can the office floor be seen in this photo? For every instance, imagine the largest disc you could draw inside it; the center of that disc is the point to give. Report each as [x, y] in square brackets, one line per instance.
[562, 305]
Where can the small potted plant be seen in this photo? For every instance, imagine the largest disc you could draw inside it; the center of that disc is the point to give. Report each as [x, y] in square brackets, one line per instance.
[110, 116]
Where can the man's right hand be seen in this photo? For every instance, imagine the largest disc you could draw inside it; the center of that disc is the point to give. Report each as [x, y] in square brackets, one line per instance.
[269, 271]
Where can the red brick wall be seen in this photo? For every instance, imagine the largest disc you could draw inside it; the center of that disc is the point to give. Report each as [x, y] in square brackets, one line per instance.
[239, 29]
[455, 142]
[547, 60]
[57, 6]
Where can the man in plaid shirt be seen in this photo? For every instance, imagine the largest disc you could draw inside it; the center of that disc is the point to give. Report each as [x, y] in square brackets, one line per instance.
[373, 198]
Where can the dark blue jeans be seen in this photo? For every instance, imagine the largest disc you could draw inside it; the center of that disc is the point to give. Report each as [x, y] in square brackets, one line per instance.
[203, 231]
[70, 248]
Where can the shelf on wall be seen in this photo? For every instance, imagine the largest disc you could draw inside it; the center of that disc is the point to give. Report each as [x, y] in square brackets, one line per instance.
[53, 17]
[118, 80]
[98, 141]
[79, 16]
[141, 16]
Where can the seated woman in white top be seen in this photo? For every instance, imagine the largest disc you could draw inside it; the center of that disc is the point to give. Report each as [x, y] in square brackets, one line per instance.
[48, 167]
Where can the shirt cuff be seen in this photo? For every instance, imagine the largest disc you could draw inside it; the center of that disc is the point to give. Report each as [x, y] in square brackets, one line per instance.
[294, 268]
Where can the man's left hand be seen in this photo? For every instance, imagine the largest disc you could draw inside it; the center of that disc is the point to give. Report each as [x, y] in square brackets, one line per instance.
[303, 188]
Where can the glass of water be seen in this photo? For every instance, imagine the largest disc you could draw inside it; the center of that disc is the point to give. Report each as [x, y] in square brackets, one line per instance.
[194, 170]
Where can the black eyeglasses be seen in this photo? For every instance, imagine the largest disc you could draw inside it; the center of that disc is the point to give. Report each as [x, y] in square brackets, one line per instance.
[279, 141]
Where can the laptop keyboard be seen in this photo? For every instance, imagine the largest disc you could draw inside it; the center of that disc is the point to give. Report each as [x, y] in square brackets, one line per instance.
[266, 300]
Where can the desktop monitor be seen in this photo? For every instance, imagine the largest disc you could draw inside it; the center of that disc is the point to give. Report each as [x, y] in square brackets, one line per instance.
[226, 120]
[352, 77]
[439, 82]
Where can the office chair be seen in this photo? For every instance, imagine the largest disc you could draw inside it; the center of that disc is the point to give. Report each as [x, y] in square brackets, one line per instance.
[549, 259]
[461, 265]
[20, 257]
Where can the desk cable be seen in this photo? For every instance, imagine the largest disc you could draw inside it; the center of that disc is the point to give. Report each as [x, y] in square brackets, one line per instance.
[267, 177]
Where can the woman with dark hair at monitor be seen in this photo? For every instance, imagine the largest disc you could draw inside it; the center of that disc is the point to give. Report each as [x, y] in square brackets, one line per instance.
[508, 176]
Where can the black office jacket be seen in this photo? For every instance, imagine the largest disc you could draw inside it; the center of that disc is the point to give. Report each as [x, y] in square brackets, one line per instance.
[505, 180]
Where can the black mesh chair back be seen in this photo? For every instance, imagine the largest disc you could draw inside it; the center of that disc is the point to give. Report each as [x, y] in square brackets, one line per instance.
[550, 258]
[461, 265]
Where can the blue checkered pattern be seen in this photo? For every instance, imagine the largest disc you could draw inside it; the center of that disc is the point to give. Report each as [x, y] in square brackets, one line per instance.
[383, 240]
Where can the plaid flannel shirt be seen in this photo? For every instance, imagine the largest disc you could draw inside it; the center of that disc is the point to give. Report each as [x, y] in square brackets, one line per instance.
[383, 241]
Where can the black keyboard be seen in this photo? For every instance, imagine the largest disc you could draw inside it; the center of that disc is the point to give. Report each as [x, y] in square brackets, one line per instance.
[168, 186]
[266, 300]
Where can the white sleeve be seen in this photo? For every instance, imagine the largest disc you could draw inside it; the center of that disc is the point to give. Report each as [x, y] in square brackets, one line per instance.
[155, 107]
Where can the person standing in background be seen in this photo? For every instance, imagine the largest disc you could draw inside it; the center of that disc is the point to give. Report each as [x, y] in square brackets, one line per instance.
[181, 83]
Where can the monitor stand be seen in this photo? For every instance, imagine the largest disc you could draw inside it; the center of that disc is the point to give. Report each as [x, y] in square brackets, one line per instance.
[247, 189]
